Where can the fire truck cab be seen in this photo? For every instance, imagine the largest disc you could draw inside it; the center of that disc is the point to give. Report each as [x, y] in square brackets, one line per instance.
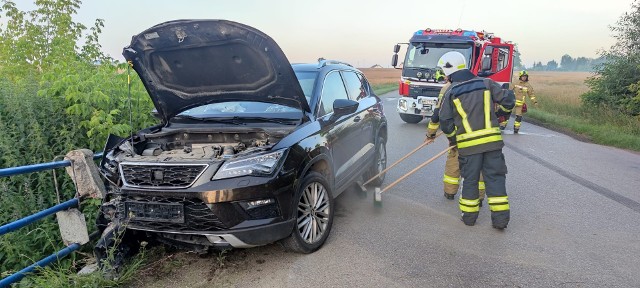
[421, 80]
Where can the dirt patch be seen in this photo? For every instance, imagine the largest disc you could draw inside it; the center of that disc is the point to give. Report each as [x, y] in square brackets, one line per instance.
[170, 268]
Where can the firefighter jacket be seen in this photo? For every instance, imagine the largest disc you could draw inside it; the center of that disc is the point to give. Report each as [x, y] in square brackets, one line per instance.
[468, 114]
[434, 124]
[523, 89]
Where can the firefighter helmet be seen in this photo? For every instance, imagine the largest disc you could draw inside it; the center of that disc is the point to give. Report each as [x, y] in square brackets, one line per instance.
[452, 61]
[523, 73]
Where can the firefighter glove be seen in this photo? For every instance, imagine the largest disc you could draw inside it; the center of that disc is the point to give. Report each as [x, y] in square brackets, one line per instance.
[431, 133]
[452, 141]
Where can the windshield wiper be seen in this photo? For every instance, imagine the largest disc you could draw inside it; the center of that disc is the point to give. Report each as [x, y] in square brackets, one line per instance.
[225, 120]
[284, 121]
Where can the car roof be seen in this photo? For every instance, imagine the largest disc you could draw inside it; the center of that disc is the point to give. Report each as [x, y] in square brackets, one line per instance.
[332, 64]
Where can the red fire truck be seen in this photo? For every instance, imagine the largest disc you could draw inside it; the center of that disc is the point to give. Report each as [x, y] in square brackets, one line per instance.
[421, 80]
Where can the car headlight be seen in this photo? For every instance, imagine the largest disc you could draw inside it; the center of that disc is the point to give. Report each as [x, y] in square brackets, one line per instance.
[402, 104]
[260, 165]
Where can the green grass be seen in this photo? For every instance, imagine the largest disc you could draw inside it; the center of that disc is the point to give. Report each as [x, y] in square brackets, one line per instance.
[380, 89]
[64, 277]
[601, 126]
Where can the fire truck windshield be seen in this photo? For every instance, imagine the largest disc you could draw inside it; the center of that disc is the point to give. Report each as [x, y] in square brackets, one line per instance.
[426, 55]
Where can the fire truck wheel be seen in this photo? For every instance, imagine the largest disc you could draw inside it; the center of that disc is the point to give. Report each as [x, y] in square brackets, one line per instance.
[413, 119]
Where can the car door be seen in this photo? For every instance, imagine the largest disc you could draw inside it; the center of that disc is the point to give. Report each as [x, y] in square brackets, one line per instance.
[363, 132]
[338, 130]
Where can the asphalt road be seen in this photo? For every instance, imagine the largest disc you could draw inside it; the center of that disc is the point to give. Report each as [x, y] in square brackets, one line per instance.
[575, 222]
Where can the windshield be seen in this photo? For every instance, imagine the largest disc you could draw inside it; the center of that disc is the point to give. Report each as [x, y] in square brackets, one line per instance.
[242, 109]
[426, 55]
[307, 80]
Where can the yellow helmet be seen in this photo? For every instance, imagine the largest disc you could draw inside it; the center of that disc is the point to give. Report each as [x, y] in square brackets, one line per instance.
[523, 73]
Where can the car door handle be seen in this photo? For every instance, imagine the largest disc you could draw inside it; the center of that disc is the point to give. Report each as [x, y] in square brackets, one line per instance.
[357, 119]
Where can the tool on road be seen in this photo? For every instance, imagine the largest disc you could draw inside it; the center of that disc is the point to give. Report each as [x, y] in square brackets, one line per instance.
[377, 196]
[425, 143]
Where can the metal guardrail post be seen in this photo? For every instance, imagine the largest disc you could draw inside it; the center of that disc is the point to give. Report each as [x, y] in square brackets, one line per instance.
[39, 167]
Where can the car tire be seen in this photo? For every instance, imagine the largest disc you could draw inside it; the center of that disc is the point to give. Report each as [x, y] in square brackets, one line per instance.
[315, 192]
[379, 163]
[412, 119]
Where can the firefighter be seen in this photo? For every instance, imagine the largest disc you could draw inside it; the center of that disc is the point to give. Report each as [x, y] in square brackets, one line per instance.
[468, 118]
[451, 177]
[522, 90]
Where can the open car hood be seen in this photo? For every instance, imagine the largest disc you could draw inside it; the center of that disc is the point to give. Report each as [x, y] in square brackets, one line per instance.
[188, 63]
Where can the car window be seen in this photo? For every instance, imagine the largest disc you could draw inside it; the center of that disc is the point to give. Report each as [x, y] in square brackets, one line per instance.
[333, 89]
[365, 83]
[355, 88]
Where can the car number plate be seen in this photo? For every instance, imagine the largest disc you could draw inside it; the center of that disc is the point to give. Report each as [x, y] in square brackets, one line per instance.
[428, 101]
[154, 211]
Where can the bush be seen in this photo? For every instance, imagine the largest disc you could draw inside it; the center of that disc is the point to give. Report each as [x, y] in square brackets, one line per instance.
[616, 83]
[55, 96]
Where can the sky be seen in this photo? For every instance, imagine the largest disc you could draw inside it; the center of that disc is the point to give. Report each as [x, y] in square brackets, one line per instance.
[363, 32]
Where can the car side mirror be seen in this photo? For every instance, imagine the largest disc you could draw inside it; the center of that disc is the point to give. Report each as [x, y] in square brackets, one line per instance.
[396, 48]
[343, 107]
[488, 50]
[486, 64]
[394, 60]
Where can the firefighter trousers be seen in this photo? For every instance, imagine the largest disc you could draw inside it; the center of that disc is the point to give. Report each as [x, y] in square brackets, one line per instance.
[516, 124]
[451, 176]
[494, 169]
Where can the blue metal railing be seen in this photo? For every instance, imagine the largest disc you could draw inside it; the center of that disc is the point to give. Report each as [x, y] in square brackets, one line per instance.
[9, 227]
[39, 167]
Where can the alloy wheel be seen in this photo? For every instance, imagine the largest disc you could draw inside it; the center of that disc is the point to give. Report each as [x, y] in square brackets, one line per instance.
[313, 212]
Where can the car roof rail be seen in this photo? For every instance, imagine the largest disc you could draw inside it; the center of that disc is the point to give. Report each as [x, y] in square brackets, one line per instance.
[324, 62]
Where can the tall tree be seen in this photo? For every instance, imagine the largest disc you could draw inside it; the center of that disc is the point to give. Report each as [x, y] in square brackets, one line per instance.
[517, 62]
[567, 63]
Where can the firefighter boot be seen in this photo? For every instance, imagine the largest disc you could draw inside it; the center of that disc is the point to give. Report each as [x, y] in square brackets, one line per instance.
[471, 167]
[495, 170]
[516, 124]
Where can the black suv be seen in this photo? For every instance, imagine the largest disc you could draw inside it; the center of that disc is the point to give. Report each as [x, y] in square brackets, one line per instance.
[251, 149]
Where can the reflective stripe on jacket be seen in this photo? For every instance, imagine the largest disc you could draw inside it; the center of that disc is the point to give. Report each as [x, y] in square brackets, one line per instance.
[467, 112]
[522, 90]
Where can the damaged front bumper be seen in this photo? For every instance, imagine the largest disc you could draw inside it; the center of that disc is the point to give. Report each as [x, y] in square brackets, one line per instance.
[208, 214]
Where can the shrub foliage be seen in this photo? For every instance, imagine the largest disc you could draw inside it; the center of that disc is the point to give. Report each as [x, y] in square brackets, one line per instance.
[58, 92]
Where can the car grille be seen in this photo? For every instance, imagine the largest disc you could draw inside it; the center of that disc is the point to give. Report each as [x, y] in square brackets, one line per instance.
[197, 216]
[160, 176]
[431, 91]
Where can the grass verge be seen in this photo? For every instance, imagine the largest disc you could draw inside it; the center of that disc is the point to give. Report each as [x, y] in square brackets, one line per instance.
[601, 127]
[382, 88]
[63, 277]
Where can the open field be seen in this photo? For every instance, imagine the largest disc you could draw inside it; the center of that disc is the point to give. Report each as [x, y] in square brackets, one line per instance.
[564, 87]
[381, 75]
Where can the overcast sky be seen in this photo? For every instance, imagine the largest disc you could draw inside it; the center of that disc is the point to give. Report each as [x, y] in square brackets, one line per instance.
[364, 32]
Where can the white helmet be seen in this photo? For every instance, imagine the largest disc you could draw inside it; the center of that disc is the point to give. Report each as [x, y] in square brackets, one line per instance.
[452, 61]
